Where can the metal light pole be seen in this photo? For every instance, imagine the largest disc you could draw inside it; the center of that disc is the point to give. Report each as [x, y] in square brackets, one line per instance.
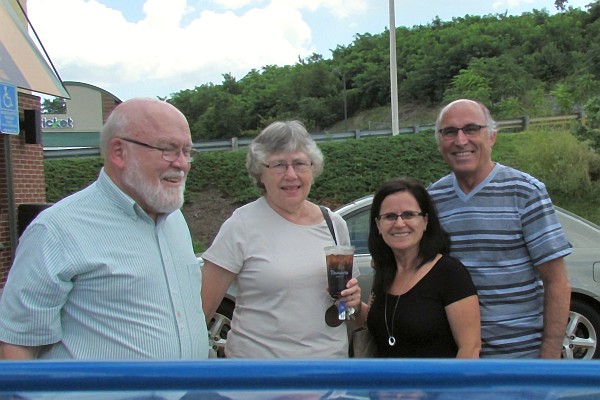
[393, 70]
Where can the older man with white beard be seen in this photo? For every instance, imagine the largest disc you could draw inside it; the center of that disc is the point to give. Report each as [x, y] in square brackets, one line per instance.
[109, 272]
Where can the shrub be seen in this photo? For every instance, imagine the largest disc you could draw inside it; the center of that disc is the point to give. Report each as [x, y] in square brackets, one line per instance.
[560, 161]
[355, 168]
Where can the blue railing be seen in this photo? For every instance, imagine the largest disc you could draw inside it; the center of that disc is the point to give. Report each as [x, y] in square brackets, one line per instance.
[325, 379]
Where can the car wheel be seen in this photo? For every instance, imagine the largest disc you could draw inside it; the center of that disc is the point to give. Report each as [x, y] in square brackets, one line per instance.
[218, 328]
[581, 341]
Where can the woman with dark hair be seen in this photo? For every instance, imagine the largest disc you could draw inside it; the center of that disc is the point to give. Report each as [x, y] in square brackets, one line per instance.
[423, 303]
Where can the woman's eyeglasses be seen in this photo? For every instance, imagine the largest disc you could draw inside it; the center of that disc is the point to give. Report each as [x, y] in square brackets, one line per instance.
[391, 218]
[281, 167]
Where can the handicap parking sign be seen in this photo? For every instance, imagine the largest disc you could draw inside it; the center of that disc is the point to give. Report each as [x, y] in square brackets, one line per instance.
[9, 109]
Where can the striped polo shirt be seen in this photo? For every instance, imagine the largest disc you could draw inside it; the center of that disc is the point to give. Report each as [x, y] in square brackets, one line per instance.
[96, 278]
[500, 231]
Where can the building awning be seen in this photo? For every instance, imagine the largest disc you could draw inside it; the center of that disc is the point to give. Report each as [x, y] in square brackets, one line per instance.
[21, 62]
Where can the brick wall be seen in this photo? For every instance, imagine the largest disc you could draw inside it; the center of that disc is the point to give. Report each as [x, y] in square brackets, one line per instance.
[28, 180]
[108, 105]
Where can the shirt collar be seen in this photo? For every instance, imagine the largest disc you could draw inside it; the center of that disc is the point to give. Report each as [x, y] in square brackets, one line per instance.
[121, 199]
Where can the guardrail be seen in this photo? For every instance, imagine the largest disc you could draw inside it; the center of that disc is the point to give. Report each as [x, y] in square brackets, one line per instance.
[514, 124]
[365, 379]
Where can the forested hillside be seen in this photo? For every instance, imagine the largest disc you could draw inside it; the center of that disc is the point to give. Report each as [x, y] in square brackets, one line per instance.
[534, 64]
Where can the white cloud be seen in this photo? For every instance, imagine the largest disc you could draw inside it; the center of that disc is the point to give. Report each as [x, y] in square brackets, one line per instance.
[504, 4]
[233, 4]
[97, 45]
[162, 14]
[337, 8]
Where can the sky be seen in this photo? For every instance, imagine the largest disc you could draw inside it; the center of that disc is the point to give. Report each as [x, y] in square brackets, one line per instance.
[154, 48]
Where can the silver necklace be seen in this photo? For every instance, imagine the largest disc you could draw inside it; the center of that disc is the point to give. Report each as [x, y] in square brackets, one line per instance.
[392, 339]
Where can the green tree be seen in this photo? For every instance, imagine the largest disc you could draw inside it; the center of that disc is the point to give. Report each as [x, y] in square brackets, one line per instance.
[366, 65]
[534, 102]
[222, 119]
[508, 107]
[469, 84]
[570, 93]
[564, 97]
[267, 95]
[230, 85]
[590, 129]
[194, 104]
[55, 106]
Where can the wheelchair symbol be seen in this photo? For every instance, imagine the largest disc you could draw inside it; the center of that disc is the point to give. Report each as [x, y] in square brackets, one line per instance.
[7, 100]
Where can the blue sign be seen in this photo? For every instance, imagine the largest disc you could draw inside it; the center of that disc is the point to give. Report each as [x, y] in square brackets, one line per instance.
[9, 109]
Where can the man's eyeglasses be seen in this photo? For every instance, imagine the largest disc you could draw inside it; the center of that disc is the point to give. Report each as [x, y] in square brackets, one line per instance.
[469, 130]
[391, 218]
[169, 155]
[281, 167]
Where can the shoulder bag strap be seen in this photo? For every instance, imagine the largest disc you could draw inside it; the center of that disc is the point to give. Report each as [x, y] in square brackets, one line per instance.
[329, 223]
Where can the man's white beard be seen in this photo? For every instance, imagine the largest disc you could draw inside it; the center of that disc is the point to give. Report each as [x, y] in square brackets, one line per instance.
[161, 200]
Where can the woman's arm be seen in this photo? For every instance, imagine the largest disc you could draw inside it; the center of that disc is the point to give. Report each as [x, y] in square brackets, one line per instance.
[215, 281]
[465, 323]
[362, 311]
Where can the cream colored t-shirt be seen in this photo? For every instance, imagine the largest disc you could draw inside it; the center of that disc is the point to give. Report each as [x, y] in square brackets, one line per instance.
[281, 284]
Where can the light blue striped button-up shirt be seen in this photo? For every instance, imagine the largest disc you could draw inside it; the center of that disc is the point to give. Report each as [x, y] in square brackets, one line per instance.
[96, 278]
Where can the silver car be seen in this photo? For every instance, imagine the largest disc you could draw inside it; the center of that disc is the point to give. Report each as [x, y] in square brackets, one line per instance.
[583, 267]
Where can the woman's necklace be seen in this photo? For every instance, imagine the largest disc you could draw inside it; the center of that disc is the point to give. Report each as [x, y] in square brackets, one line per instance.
[392, 339]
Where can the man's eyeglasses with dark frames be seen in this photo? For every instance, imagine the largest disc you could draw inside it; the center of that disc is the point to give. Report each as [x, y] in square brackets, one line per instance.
[281, 167]
[169, 155]
[469, 130]
[391, 218]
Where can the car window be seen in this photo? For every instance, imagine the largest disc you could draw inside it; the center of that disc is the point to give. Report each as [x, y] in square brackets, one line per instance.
[358, 226]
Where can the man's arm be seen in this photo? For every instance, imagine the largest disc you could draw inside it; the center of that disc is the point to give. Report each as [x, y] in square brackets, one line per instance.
[557, 299]
[14, 352]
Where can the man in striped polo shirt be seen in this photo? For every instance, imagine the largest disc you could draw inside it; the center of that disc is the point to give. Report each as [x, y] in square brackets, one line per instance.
[505, 231]
[109, 272]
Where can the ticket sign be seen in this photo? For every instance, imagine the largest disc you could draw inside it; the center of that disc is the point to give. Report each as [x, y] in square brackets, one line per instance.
[9, 109]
